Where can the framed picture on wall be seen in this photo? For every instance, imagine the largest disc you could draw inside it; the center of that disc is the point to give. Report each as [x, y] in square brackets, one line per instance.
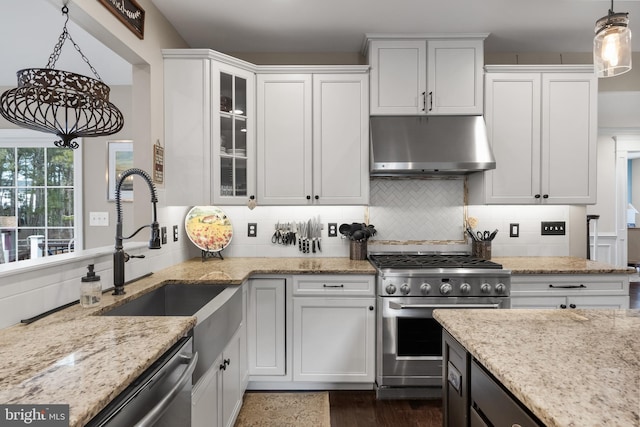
[119, 159]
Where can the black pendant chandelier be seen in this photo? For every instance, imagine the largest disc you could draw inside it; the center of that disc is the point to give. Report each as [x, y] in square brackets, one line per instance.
[60, 102]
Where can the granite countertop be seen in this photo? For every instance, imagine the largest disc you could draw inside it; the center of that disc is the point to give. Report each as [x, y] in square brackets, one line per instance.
[79, 358]
[558, 265]
[569, 367]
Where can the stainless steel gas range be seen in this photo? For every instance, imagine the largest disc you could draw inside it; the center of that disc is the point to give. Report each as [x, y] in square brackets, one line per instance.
[409, 340]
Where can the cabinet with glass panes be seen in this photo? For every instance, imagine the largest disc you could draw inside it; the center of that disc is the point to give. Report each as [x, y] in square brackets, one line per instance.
[209, 104]
[232, 132]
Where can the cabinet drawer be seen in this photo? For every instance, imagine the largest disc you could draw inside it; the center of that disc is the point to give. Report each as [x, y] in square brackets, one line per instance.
[549, 285]
[495, 404]
[343, 285]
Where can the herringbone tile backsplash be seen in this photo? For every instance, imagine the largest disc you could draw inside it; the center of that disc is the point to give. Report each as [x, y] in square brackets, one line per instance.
[417, 209]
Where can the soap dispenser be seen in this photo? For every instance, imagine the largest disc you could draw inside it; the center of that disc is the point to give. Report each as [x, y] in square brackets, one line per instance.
[90, 289]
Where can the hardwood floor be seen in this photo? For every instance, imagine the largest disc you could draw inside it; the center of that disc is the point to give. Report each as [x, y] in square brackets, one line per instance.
[361, 409]
[634, 295]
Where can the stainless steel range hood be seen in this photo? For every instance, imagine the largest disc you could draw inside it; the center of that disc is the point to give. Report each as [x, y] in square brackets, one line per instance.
[427, 145]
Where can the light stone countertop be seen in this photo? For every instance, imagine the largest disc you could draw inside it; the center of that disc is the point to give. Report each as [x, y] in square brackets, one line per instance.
[558, 265]
[569, 367]
[79, 358]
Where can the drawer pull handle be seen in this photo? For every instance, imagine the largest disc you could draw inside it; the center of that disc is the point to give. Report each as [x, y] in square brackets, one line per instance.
[324, 285]
[567, 286]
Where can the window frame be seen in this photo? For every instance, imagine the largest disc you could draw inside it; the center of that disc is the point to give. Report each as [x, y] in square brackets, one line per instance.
[11, 138]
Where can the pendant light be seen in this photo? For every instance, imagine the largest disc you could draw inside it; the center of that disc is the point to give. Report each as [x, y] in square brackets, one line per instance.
[612, 44]
[60, 102]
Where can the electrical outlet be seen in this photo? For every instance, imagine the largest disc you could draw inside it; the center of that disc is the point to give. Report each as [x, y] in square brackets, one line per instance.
[332, 230]
[514, 230]
[252, 229]
[99, 219]
[163, 235]
[552, 228]
[175, 233]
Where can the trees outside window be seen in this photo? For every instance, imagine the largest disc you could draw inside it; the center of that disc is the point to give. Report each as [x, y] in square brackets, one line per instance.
[37, 200]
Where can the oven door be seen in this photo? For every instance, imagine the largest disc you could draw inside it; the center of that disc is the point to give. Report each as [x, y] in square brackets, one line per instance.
[409, 347]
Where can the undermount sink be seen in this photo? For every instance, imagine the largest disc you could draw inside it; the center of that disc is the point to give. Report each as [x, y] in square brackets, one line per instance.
[218, 309]
[169, 300]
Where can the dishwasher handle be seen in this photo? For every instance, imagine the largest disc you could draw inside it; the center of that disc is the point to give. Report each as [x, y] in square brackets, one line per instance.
[157, 411]
[399, 306]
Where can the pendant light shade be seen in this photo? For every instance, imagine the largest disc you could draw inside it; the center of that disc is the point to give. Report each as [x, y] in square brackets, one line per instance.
[612, 44]
[66, 104]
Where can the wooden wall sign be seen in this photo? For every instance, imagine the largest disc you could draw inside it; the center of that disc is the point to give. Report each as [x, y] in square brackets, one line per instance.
[129, 13]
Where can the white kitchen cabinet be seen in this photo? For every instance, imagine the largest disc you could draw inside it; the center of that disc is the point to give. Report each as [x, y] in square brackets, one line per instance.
[266, 328]
[542, 127]
[333, 339]
[333, 329]
[570, 291]
[426, 76]
[217, 398]
[313, 138]
[209, 109]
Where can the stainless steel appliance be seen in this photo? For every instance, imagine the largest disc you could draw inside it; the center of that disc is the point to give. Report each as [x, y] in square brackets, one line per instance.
[428, 145]
[409, 340]
[160, 397]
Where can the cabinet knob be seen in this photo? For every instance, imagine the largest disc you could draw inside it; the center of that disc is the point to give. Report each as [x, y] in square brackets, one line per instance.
[537, 196]
[430, 101]
[563, 305]
[227, 362]
[370, 308]
[308, 197]
[316, 197]
[572, 305]
[546, 196]
[252, 197]
[223, 367]
[424, 101]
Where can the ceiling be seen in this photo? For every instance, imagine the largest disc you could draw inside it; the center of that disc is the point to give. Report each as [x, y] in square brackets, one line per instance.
[294, 26]
[340, 25]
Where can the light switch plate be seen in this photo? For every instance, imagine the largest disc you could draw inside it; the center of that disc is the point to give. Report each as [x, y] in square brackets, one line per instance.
[175, 233]
[99, 219]
[552, 228]
[163, 235]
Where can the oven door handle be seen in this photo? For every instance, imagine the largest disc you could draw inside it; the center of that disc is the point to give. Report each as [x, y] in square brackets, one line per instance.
[399, 306]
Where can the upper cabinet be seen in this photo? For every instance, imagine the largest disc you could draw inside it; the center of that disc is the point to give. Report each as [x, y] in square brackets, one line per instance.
[426, 74]
[209, 109]
[313, 136]
[542, 126]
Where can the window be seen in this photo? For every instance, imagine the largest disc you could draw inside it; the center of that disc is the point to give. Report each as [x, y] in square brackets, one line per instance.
[39, 196]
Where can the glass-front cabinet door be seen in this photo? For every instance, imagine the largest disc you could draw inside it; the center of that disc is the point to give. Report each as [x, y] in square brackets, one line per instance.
[233, 135]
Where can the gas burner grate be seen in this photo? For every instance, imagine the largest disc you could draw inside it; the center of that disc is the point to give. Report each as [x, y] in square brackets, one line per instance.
[406, 261]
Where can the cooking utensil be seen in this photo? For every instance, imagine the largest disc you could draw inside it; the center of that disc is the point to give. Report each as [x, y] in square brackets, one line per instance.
[493, 234]
[470, 233]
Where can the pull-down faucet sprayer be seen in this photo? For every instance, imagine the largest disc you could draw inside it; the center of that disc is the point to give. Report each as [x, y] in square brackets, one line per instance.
[119, 256]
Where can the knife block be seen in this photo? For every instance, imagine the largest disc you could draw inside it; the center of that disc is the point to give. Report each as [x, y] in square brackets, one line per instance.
[358, 249]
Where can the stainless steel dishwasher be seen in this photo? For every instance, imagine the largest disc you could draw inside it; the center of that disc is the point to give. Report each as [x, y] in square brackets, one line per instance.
[160, 397]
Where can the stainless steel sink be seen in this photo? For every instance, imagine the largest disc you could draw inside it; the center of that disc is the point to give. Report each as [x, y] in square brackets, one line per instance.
[169, 300]
[218, 309]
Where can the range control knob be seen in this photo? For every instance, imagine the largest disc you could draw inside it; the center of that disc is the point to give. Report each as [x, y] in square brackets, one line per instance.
[405, 289]
[485, 288]
[501, 288]
[465, 288]
[445, 289]
[425, 288]
[391, 289]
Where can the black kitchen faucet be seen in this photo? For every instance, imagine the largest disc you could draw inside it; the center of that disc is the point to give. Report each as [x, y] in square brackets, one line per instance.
[120, 256]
